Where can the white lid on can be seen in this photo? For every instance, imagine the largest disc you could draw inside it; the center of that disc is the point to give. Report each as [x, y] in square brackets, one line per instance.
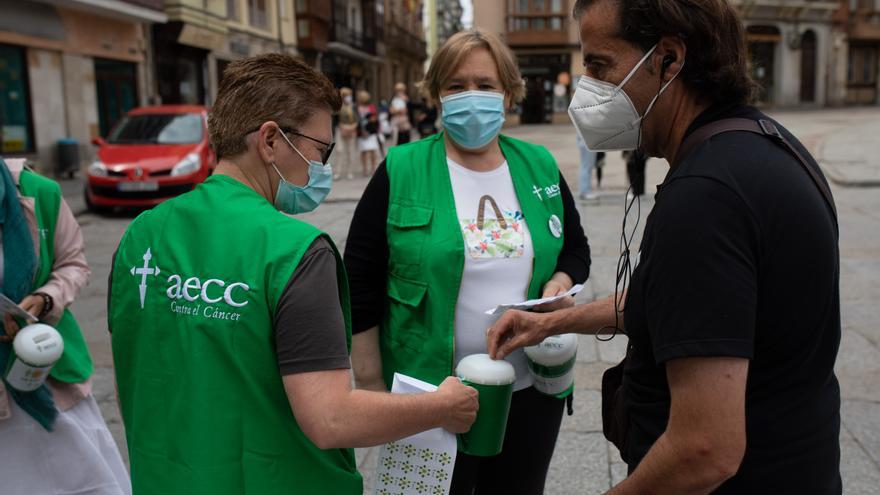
[482, 369]
[555, 350]
[38, 345]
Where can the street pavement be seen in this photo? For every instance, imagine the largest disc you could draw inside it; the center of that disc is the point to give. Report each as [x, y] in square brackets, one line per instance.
[843, 140]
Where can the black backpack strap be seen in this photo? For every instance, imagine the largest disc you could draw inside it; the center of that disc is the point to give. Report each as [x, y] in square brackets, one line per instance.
[764, 128]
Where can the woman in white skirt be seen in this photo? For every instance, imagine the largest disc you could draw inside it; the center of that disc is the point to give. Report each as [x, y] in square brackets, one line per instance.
[52, 440]
[368, 133]
[346, 150]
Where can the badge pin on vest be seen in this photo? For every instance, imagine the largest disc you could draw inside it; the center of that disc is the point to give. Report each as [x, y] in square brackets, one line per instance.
[555, 226]
[35, 350]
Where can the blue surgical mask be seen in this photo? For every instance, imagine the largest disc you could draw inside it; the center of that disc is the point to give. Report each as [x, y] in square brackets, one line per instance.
[294, 199]
[473, 118]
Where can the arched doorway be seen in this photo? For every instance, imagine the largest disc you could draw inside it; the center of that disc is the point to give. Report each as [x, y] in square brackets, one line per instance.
[762, 59]
[808, 67]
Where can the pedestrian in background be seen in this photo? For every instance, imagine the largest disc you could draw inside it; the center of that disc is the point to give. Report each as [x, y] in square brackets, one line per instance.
[636, 162]
[346, 154]
[368, 133]
[400, 114]
[426, 118]
[456, 224]
[52, 440]
[732, 312]
[588, 162]
[233, 366]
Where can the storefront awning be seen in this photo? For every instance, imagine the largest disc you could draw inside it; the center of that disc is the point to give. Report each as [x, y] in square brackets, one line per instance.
[343, 49]
[114, 8]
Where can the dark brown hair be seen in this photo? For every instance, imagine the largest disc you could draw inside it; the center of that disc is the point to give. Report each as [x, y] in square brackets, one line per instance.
[716, 68]
[255, 90]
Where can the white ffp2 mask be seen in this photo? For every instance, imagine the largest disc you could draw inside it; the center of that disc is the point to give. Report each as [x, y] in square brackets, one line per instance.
[605, 116]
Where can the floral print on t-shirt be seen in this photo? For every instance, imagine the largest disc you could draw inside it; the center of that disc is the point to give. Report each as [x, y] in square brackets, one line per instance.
[493, 241]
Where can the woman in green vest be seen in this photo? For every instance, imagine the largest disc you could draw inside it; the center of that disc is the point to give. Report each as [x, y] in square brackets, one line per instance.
[452, 226]
[230, 317]
[52, 440]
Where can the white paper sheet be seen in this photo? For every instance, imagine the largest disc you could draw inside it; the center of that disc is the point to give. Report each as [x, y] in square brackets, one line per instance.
[8, 306]
[527, 305]
[417, 465]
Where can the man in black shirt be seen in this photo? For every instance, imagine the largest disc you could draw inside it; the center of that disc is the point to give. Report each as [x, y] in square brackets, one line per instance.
[733, 312]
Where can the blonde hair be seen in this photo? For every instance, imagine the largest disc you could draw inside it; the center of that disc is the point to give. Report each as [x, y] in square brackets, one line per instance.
[450, 56]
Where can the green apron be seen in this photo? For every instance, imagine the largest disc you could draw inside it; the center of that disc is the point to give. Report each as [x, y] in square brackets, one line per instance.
[194, 289]
[75, 365]
[426, 249]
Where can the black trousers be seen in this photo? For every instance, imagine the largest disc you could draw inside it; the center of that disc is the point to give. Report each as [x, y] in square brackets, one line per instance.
[521, 467]
[635, 168]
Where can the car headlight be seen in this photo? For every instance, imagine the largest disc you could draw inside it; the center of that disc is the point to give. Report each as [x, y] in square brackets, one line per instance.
[189, 165]
[98, 169]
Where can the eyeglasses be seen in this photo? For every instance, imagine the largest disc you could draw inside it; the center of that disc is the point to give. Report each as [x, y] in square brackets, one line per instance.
[325, 155]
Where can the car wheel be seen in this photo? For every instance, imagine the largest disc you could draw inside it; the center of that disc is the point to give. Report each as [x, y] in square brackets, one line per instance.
[92, 206]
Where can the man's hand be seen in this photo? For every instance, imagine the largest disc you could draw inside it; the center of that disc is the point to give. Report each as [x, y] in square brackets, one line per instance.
[555, 288]
[517, 329]
[463, 405]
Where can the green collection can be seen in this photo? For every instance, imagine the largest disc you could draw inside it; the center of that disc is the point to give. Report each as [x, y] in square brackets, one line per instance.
[494, 381]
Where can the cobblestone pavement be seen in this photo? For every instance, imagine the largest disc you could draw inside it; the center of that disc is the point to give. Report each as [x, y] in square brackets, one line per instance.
[843, 140]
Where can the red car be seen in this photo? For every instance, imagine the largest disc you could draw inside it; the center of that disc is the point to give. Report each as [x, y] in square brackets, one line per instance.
[152, 154]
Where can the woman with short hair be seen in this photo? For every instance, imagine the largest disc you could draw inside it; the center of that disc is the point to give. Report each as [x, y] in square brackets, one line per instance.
[451, 226]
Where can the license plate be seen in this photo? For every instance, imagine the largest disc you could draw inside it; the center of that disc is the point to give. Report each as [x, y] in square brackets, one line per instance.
[138, 186]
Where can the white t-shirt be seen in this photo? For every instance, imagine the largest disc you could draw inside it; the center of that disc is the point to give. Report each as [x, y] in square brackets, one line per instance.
[497, 262]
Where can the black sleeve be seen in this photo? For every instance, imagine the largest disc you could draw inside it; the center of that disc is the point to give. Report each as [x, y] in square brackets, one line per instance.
[366, 253]
[701, 283]
[309, 325]
[574, 259]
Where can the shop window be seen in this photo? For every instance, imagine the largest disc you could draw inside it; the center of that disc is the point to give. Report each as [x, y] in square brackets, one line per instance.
[16, 126]
[116, 85]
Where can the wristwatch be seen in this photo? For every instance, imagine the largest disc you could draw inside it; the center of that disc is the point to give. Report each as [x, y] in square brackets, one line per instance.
[48, 304]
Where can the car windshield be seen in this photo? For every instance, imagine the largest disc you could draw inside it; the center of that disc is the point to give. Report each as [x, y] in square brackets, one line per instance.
[183, 128]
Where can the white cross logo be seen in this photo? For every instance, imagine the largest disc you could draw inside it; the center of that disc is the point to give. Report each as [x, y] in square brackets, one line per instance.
[144, 272]
[537, 191]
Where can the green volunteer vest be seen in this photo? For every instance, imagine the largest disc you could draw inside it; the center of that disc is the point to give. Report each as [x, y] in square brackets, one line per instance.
[426, 249]
[75, 365]
[193, 295]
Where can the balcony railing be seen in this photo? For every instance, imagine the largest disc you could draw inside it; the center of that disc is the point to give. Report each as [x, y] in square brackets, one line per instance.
[355, 39]
[399, 38]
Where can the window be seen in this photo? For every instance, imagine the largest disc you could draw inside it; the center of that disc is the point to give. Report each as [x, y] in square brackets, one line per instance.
[863, 62]
[536, 15]
[302, 6]
[158, 129]
[16, 130]
[258, 14]
[302, 28]
[232, 11]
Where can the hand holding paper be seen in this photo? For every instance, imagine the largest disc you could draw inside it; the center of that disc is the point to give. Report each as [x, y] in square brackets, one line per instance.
[532, 303]
[9, 310]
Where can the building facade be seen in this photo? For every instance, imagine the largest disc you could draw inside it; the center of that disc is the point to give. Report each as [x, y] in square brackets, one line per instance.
[796, 56]
[860, 24]
[442, 19]
[405, 47]
[70, 69]
[544, 38]
[201, 37]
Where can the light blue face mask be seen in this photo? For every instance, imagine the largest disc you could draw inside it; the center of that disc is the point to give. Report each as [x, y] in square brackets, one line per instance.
[473, 118]
[294, 199]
